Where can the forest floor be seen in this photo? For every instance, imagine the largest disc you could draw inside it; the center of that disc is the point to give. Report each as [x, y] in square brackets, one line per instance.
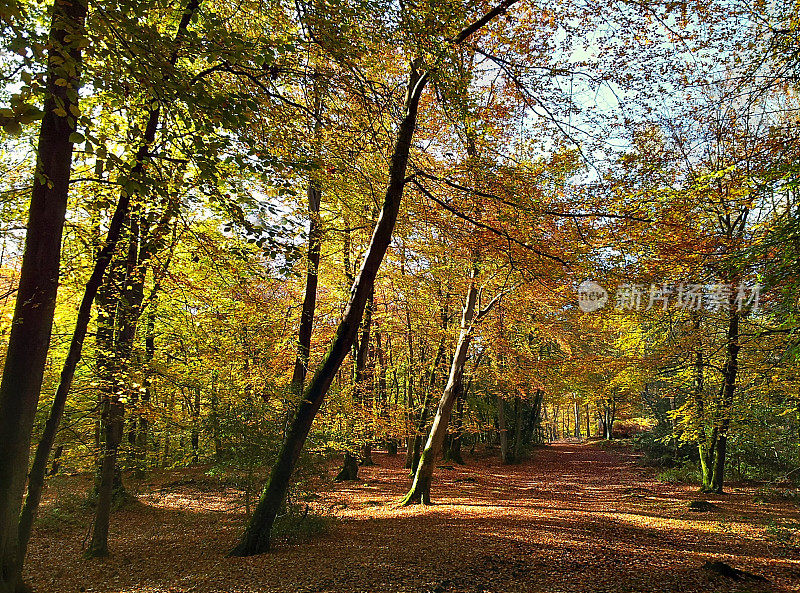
[573, 517]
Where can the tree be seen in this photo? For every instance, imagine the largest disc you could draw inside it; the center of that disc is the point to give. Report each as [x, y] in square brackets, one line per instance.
[38, 284]
[255, 539]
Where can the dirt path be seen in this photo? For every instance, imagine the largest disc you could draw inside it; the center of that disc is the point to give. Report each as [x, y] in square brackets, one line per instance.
[574, 517]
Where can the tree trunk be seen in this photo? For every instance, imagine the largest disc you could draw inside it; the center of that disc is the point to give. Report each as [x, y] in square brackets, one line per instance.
[453, 450]
[502, 430]
[421, 487]
[729, 374]
[113, 421]
[37, 473]
[196, 425]
[410, 389]
[698, 388]
[431, 384]
[349, 471]
[577, 433]
[127, 315]
[310, 297]
[215, 417]
[32, 320]
[518, 430]
[255, 539]
[588, 422]
[142, 434]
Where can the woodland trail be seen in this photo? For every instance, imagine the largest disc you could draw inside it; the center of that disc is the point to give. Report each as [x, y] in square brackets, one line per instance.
[572, 518]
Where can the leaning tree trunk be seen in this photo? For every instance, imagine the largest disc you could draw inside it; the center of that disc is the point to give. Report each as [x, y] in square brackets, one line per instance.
[255, 539]
[314, 195]
[126, 320]
[38, 469]
[310, 297]
[421, 487]
[32, 320]
[423, 415]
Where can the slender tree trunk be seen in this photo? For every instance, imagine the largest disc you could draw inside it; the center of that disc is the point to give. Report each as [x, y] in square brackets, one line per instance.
[730, 372]
[421, 487]
[502, 430]
[129, 309]
[255, 539]
[37, 473]
[113, 422]
[577, 408]
[410, 391]
[698, 389]
[196, 425]
[588, 422]
[215, 416]
[143, 432]
[32, 320]
[170, 414]
[518, 430]
[431, 384]
[310, 297]
[537, 417]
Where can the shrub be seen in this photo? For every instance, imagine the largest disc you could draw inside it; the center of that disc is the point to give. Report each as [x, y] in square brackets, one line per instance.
[299, 524]
[64, 512]
[686, 473]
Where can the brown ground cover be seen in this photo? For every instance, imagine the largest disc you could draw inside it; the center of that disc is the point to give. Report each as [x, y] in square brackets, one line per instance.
[573, 517]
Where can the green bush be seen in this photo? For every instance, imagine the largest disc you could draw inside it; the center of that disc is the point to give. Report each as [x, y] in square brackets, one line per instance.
[769, 494]
[63, 512]
[660, 450]
[686, 473]
[299, 524]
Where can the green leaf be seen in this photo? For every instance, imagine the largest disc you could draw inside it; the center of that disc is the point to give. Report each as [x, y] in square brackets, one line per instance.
[76, 138]
[13, 127]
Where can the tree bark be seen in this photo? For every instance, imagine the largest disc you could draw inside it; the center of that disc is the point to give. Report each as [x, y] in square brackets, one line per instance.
[114, 413]
[730, 372]
[502, 430]
[142, 434]
[37, 473]
[310, 297]
[423, 415]
[126, 318]
[32, 320]
[196, 425]
[255, 539]
[349, 472]
[698, 389]
[518, 430]
[421, 487]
